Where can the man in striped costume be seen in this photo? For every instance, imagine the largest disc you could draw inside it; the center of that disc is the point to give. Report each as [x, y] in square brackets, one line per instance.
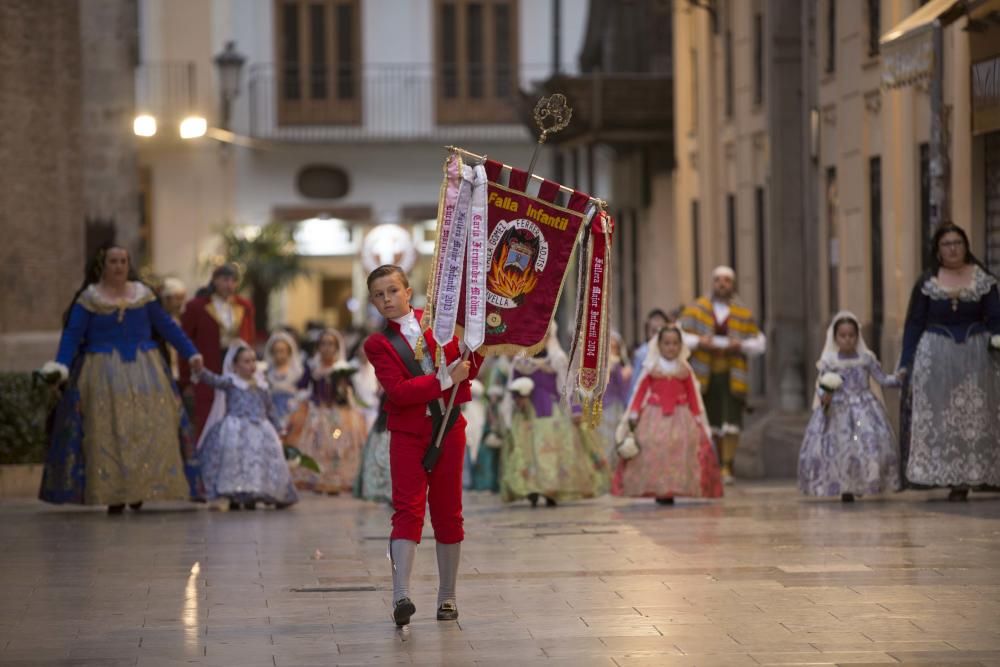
[721, 334]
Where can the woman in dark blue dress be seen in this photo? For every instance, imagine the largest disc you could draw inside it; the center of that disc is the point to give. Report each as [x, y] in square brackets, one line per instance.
[950, 434]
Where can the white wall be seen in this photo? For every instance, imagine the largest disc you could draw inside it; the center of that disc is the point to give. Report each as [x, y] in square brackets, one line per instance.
[201, 185]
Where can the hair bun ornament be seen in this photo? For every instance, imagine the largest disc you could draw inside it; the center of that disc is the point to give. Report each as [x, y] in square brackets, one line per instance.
[522, 386]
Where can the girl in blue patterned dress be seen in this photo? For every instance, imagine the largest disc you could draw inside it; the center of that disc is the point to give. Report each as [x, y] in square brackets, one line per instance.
[241, 453]
[849, 448]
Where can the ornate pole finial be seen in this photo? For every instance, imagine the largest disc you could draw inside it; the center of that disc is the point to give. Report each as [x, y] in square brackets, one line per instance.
[552, 114]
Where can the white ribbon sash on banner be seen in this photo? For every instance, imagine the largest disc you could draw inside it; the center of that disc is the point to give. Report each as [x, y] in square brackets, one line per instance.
[452, 262]
[475, 286]
[449, 196]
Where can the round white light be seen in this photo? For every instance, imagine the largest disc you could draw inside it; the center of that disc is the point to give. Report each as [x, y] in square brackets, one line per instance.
[144, 125]
[193, 127]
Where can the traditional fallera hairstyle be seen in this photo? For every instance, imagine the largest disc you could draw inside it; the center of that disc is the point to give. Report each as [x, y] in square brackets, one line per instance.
[949, 227]
[831, 353]
[294, 359]
[218, 411]
[95, 269]
[316, 366]
[654, 361]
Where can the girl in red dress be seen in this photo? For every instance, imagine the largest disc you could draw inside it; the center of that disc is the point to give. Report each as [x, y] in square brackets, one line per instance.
[666, 417]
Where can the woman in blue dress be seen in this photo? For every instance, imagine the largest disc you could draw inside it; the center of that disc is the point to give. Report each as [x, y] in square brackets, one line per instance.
[115, 433]
[950, 428]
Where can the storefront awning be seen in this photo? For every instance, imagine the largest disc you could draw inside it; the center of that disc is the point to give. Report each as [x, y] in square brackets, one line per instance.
[907, 51]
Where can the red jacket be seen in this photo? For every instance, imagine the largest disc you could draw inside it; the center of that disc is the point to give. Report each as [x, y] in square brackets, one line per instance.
[407, 396]
[666, 393]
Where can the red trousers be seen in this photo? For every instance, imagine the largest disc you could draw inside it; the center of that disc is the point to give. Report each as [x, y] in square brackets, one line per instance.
[413, 487]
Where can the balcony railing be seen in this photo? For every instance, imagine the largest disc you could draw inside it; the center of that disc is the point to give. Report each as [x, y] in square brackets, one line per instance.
[385, 103]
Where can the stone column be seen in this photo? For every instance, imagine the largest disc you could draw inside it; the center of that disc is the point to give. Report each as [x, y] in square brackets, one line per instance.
[788, 244]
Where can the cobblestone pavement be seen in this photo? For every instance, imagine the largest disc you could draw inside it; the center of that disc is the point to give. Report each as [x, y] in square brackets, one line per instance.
[762, 577]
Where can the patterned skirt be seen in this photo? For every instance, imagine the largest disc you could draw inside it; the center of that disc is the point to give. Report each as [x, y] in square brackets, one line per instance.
[545, 455]
[334, 436]
[675, 458]
[374, 481]
[849, 448]
[244, 461]
[115, 436]
[953, 420]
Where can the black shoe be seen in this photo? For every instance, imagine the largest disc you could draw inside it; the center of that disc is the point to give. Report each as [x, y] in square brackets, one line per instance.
[135, 507]
[550, 502]
[847, 497]
[958, 495]
[533, 499]
[402, 611]
[116, 509]
[666, 500]
[282, 506]
[448, 611]
[234, 506]
[252, 505]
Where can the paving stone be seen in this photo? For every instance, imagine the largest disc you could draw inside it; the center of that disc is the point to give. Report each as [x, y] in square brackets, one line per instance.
[760, 577]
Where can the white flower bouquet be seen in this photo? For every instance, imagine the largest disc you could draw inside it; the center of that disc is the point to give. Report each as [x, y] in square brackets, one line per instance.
[830, 382]
[995, 341]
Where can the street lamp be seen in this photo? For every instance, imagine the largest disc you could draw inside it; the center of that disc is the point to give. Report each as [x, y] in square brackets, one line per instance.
[229, 64]
[193, 127]
[144, 125]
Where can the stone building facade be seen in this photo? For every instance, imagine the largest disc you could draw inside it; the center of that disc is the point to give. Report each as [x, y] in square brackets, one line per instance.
[66, 156]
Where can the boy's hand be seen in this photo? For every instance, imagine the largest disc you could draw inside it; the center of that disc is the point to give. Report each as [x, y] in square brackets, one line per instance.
[461, 372]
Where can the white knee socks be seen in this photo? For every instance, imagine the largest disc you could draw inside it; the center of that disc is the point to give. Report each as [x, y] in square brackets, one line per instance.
[448, 557]
[402, 553]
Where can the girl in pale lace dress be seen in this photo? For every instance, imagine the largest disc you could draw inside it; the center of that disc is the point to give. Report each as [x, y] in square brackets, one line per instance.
[284, 370]
[675, 454]
[241, 452]
[849, 448]
[328, 426]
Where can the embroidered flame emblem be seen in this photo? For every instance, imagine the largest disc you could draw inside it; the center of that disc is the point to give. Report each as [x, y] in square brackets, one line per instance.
[508, 281]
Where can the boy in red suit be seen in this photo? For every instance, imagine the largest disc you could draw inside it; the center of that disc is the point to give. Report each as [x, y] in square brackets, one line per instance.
[414, 403]
[212, 321]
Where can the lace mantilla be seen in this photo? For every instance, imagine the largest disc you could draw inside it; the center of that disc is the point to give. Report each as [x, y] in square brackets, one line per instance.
[982, 283]
[92, 299]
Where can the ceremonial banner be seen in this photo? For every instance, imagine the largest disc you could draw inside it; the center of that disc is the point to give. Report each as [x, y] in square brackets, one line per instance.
[530, 242]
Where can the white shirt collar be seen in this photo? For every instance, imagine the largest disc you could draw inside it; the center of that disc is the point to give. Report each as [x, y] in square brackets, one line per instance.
[408, 321]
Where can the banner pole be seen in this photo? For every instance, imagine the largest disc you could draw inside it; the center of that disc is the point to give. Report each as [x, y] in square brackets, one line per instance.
[431, 459]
